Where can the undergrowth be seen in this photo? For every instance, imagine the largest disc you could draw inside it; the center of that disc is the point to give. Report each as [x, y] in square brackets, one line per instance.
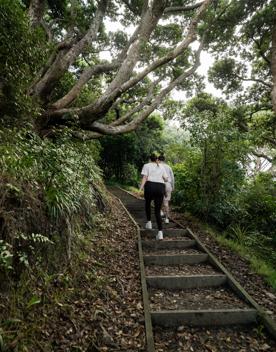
[49, 189]
[42, 300]
[239, 245]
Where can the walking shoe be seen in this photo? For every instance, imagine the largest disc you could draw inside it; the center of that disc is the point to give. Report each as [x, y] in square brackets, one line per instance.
[167, 221]
[149, 225]
[162, 213]
[159, 236]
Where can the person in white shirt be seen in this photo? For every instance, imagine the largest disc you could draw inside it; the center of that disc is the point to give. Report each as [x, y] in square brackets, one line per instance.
[169, 187]
[153, 183]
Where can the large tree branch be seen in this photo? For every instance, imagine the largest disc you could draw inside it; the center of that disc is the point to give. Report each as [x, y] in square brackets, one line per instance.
[147, 24]
[173, 54]
[113, 130]
[97, 109]
[273, 68]
[179, 9]
[138, 107]
[89, 72]
[251, 79]
[62, 47]
[65, 58]
[36, 11]
[262, 155]
[86, 75]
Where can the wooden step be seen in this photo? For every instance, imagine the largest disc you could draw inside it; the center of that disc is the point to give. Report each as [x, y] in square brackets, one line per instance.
[185, 282]
[167, 233]
[175, 259]
[173, 244]
[215, 317]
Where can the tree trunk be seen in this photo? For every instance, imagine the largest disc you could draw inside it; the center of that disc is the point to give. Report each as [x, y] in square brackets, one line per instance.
[273, 68]
[36, 11]
[66, 57]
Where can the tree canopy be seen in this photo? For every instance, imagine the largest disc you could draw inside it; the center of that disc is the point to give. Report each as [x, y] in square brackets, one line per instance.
[245, 67]
[72, 84]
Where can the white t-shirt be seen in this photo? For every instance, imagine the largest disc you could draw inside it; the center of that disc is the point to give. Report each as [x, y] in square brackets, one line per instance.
[169, 173]
[155, 172]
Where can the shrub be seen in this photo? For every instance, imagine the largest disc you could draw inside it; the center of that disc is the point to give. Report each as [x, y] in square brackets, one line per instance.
[22, 51]
[258, 203]
[46, 188]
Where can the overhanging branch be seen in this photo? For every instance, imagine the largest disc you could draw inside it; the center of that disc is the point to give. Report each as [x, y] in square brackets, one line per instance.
[262, 155]
[179, 9]
[113, 130]
[66, 58]
[120, 84]
[138, 107]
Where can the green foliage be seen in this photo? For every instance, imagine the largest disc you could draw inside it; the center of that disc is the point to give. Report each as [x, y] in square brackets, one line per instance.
[22, 52]
[225, 75]
[211, 179]
[123, 156]
[187, 178]
[5, 256]
[263, 266]
[258, 204]
[213, 173]
[63, 168]
[46, 185]
[246, 58]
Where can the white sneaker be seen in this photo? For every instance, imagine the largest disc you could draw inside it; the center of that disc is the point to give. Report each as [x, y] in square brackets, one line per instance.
[167, 221]
[159, 236]
[149, 225]
[162, 213]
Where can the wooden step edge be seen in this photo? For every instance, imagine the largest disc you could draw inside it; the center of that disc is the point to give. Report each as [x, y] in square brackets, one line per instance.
[185, 282]
[214, 317]
[169, 244]
[175, 259]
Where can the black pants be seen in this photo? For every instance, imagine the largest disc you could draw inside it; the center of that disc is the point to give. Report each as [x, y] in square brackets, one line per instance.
[154, 191]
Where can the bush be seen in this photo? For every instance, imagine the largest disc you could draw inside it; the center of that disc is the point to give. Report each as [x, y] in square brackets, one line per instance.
[187, 184]
[22, 52]
[47, 188]
[258, 203]
[200, 194]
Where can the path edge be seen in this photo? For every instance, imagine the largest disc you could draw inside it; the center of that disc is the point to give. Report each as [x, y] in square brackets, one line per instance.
[148, 324]
[237, 288]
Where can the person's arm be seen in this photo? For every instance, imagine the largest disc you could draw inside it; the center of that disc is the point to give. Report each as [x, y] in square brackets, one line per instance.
[165, 175]
[172, 179]
[144, 180]
[144, 174]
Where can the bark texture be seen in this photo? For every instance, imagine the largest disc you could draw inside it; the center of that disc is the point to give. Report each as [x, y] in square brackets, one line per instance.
[36, 11]
[273, 68]
[123, 66]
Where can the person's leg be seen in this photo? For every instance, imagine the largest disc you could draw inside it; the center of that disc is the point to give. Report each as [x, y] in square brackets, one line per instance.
[148, 199]
[148, 208]
[158, 200]
[166, 208]
[167, 198]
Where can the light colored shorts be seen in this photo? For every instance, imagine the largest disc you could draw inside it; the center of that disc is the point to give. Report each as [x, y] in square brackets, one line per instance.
[168, 190]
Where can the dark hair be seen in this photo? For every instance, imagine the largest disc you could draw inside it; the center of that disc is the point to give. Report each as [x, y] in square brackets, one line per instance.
[161, 157]
[153, 157]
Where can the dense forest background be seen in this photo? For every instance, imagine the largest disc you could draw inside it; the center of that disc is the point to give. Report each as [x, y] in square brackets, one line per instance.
[87, 91]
